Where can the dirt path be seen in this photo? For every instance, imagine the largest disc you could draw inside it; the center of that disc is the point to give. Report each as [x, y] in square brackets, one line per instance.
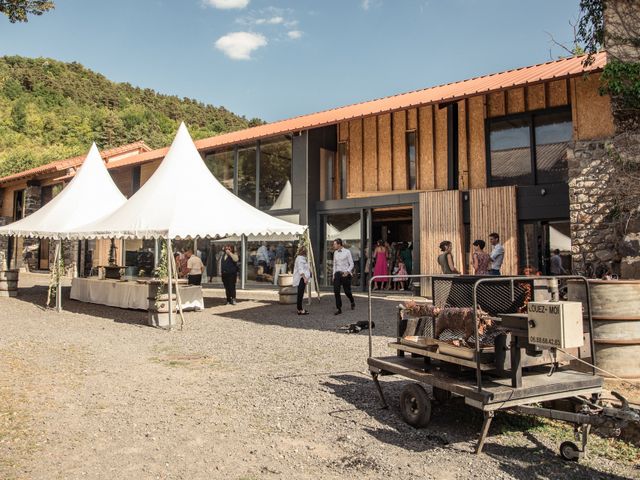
[244, 392]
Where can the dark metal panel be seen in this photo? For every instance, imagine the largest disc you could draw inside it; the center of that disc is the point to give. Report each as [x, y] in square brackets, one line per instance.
[543, 202]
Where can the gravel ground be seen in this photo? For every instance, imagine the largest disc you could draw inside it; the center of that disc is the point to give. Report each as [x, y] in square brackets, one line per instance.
[243, 392]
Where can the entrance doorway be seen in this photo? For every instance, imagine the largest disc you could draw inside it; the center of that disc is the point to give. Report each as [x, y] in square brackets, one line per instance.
[394, 226]
[538, 240]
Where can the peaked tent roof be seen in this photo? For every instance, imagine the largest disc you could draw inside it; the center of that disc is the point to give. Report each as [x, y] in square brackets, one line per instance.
[89, 196]
[182, 199]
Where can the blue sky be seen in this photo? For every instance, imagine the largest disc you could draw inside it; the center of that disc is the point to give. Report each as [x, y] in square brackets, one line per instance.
[276, 59]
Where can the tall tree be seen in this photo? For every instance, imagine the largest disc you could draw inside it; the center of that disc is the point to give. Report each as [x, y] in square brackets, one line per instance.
[18, 10]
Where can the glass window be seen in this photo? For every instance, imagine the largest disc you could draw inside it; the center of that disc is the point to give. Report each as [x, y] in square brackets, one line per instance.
[411, 160]
[510, 152]
[275, 174]
[247, 174]
[552, 133]
[221, 166]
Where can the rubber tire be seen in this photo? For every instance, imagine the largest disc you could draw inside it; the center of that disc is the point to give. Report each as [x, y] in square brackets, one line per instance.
[441, 395]
[569, 451]
[415, 405]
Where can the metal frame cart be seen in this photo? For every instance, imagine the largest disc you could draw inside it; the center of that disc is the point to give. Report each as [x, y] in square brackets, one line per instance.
[512, 374]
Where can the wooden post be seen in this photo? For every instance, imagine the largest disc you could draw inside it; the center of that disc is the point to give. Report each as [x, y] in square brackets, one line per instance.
[59, 260]
[170, 280]
[156, 252]
[243, 261]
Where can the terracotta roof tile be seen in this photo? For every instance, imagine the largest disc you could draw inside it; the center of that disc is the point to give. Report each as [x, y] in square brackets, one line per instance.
[60, 165]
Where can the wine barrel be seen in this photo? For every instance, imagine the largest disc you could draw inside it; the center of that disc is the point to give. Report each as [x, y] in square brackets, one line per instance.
[615, 309]
[285, 280]
[288, 295]
[8, 283]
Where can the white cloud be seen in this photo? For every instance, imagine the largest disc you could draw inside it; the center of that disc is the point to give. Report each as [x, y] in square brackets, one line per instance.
[227, 4]
[240, 45]
[294, 34]
[269, 21]
[366, 4]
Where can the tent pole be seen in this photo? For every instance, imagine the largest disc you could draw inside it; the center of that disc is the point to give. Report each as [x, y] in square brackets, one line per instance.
[156, 252]
[243, 261]
[59, 261]
[170, 280]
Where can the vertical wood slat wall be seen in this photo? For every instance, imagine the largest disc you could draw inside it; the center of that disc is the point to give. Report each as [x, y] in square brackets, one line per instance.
[440, 219]
[495, 210]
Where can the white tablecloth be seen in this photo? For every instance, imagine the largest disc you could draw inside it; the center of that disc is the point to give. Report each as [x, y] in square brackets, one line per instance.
[130, 294]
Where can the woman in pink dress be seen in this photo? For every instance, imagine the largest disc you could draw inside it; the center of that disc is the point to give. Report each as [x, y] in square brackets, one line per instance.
[380, 258]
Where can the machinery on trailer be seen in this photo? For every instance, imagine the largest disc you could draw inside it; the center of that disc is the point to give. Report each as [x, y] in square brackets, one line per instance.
[502, 343]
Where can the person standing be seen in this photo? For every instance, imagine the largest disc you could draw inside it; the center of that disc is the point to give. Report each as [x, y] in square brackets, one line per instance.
[481, 259]
[229, 273]
[342, 268]
[301, 277]
[195, 267]
[445, 259]
[497, 254]
[556, 267]
[380, 268]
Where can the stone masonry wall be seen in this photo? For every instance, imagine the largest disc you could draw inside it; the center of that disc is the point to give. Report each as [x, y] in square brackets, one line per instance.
[4, 244]
[599, 243]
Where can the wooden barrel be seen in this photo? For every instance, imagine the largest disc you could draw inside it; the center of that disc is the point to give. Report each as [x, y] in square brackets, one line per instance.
[285, 280]
[615, 309]
[9, 283]
[288, 295]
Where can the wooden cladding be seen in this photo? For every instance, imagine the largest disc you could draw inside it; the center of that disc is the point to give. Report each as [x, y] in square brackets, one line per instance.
[355, 155]
[370, 165]
[495, 210]
[384, 153]
[440, 219]
[399, 150]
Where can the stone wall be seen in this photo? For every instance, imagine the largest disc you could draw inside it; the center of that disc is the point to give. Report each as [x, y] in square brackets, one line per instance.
[4, 244]
[603, 238]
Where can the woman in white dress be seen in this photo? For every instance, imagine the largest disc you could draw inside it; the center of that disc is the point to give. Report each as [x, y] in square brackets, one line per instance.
[301, 276]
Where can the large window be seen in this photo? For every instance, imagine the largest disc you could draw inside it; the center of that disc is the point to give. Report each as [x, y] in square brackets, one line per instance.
[275, 174]
[529, 149]
[221, 164]
[247, 174]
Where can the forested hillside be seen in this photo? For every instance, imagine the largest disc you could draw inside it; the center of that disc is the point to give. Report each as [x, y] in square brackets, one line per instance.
[50, 110]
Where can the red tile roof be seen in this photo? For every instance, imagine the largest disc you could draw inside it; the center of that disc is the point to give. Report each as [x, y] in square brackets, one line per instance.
[61, 165]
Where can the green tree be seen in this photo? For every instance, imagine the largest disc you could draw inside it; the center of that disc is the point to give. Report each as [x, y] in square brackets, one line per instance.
[19, 10]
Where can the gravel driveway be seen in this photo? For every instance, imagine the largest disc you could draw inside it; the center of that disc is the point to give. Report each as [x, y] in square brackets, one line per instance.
[248, 391]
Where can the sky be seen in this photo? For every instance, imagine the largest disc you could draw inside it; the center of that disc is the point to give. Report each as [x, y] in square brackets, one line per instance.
[277, 59]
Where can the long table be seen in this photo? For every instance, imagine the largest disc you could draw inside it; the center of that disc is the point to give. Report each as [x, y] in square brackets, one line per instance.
[128, 294]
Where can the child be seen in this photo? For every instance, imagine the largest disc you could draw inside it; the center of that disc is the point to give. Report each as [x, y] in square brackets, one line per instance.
[399, 275]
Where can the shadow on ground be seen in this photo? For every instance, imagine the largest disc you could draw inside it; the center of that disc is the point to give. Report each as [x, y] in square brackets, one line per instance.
[454, 426]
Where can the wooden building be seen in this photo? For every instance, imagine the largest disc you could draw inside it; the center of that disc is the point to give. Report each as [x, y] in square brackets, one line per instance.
[453, 162]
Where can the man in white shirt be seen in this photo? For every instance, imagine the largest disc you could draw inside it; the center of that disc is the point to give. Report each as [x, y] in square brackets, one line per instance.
[497, 254]
[342, 268]
[195, 268]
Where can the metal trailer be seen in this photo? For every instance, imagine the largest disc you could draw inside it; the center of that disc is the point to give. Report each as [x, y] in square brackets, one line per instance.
[488, 389]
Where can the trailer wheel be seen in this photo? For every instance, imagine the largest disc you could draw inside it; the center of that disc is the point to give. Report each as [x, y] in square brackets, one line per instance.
[415, 405]
[441, 395]
[569, 451]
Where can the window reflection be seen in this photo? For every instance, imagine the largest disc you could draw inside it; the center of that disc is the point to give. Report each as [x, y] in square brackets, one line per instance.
[510, 152]
[247, 175]
[553, 132]
[221, 166]
[275, 174]
[348, 228]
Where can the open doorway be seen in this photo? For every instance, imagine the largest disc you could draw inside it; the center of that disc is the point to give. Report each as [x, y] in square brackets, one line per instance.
[394, 227]
[539, 239]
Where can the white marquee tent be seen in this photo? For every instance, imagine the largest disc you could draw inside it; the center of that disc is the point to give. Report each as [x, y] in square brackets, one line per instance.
[90, 195]
[182, 199]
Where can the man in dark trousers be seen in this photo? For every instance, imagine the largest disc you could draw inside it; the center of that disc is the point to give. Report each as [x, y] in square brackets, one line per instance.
[342, 268]
[229, 273]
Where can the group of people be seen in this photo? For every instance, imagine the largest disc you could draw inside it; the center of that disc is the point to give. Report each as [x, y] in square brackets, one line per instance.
[393, 260]
[483, 263]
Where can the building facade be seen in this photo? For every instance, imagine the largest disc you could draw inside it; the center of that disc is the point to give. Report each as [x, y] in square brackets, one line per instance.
[453, 162]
